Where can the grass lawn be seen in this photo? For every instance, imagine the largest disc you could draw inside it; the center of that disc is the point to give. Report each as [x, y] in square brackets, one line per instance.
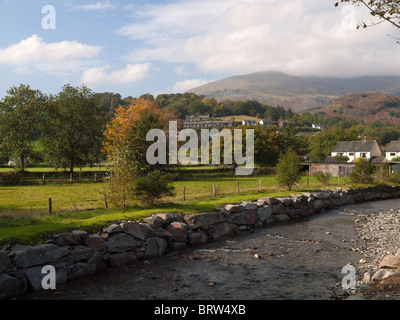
[24, 213]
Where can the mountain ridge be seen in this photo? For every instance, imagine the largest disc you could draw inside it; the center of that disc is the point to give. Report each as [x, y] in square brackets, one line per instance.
[295, 92]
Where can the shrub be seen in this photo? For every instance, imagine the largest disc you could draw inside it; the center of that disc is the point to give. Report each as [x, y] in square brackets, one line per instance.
[362, 172]
[288, 169]
[323, 177]
[11, 178]
[153, 186]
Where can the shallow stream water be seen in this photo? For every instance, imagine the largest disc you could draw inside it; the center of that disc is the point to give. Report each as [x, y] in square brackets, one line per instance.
[297, 260]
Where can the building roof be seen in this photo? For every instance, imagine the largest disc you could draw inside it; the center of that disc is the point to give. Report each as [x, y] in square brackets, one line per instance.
[354, 146]
[394, 146]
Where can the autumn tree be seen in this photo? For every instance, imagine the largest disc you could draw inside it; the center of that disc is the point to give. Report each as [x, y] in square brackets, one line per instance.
[126, 145]
[21, 113]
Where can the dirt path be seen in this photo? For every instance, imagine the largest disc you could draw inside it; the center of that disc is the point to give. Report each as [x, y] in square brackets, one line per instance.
[295, 260]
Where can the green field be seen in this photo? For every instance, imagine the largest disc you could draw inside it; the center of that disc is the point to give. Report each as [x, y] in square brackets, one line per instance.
[24, 215]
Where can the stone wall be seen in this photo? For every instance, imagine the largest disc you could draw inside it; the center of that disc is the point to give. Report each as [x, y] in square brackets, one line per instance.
[78, 254]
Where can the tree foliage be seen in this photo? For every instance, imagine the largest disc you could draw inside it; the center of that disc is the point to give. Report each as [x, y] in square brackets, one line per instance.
[288, 169]
[384, 10]
[73, 128]
[21, 113]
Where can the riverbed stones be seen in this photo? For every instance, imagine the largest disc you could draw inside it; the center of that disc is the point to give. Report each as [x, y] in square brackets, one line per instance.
[382, 274]
[121, 242]
[390, 262]
[80, 253]
[39, 255]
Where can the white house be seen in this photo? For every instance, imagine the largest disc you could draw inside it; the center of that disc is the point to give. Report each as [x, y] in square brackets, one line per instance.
[365, 149]
[393, 150]
[249, 123]
[266, 122]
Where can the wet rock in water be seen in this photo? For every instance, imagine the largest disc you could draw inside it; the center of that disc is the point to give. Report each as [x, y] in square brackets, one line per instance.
[155, 247]
[10, 286]
[4, 261]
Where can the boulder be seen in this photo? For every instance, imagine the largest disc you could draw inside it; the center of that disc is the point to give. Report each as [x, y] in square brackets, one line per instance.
[170, 217]
[35, 276]
[199, 220]
[234, 208]
[270, 201]
[155, 247]
[39, 255]
[224, 229]
[160, 232]
[134, 229]
[96, 262]
[249, 218]
[76, 237]
[4, 261]
[80, 253]
[264, 213]
[147, 230]
[95, 242]
[390, 262]
[154, 221]
[121, 259]
[10, 286]
[114, 228]
[249, 205]
[198, 237]
[121, 242]
[179, 231]
[382, 274]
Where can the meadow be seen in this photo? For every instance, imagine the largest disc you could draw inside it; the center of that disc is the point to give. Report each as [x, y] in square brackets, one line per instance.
[25, 217]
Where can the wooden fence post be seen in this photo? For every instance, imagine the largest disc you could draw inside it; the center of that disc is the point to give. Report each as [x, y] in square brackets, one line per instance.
[260, 185]
[184, 193]
[214, 190]
[70, 177]
[50, 206]
[238, 188]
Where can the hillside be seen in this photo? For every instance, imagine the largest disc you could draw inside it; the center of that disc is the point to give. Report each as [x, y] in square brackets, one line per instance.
[297, 93]
[369, 106]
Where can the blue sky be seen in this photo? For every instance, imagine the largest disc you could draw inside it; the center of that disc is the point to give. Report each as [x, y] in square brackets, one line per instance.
[148, 46]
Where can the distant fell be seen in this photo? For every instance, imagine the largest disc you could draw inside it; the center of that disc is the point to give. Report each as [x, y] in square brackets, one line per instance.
[297, 93]
[367, 106]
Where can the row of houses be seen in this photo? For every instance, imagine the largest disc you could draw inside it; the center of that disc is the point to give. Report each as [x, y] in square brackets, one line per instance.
[344, 154]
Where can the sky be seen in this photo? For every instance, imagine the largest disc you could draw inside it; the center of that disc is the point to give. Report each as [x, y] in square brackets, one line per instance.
[152, 46]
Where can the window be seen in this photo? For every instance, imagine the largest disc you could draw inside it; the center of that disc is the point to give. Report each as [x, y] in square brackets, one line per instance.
[351, 154]
[393, 154]
[363, 155]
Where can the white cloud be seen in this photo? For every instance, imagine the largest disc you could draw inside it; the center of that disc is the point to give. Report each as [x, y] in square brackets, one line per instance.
[56, 58]
[99, 5]
[242, 36]
[131, 73]
[182, 86]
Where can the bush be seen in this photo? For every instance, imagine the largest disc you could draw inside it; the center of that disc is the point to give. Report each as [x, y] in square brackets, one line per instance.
[362, 172]
[288, 169]
[11, 178]
[323, 177]
[153, 186]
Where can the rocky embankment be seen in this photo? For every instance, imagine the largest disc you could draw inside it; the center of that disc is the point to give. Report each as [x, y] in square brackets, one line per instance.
[379, 270]
[78, 254]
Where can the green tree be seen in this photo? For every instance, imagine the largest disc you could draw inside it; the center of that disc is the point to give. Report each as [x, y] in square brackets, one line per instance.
[362, 172]
[153, 186]
[73, 128]
[21, 113]
[288, 169]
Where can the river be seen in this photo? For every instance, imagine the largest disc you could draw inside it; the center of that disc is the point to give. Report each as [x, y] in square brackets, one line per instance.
[296, 260]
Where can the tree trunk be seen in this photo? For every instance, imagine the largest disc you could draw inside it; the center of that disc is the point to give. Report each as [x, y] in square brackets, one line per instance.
[22, 163]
